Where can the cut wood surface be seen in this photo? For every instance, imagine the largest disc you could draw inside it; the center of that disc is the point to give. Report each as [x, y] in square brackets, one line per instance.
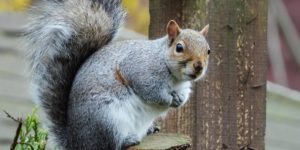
[164, 141]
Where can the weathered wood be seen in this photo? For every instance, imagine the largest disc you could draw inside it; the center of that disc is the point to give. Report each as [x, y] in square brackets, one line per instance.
[228, 108]
[162, 141]
[187, 14]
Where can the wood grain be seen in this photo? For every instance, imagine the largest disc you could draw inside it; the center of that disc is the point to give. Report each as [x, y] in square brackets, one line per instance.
[228, 107]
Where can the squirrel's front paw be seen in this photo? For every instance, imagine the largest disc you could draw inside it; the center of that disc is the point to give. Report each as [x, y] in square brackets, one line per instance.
[178, 99]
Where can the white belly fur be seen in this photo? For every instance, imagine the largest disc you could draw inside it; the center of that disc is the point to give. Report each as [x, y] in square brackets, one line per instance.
[135, 117]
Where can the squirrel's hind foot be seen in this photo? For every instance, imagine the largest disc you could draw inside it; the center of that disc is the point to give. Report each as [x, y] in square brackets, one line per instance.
[153, 129]
[129, 141]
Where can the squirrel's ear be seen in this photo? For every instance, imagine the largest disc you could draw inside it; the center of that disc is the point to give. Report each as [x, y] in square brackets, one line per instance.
[173, 29]
[204, 31]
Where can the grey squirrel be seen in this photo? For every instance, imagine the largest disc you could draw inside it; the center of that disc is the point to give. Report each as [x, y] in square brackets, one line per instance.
[100, 94]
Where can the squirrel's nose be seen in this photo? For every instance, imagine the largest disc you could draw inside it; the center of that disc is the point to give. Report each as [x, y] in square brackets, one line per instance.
[198, 66]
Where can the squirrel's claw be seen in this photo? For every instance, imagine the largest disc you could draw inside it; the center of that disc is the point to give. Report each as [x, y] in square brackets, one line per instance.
[178, 99]
[153, 129]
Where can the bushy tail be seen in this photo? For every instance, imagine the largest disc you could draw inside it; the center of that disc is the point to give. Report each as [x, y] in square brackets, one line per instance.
[61, 36]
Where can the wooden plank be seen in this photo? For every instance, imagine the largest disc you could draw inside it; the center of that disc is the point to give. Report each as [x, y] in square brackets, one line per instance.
[277, 92]
[283, 121]
[12, 21]
[12, 64]
[10, 45]
[282, 134]
[13, 90]
[163, 141]
[13, 84]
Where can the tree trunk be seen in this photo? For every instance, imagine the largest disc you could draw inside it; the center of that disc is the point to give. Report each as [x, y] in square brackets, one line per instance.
[228, 107]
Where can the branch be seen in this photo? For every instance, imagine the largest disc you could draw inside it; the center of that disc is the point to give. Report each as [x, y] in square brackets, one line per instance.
[19, 121]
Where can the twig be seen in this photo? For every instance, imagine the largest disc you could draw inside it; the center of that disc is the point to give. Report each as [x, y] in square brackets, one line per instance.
[19, 121]
[11, 117]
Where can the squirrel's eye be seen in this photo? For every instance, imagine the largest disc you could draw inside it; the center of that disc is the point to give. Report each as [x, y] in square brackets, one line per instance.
[179, 48]
[208, 52]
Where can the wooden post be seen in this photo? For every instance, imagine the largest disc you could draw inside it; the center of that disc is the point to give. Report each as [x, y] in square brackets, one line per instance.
[228, 107]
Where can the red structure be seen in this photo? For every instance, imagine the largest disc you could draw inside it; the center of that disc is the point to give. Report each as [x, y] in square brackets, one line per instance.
[292, 68]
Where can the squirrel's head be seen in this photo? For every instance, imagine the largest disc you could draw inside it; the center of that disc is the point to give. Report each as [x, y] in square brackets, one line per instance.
[188, 52]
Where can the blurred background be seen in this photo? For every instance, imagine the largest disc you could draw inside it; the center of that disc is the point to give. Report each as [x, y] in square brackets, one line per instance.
[283, 94]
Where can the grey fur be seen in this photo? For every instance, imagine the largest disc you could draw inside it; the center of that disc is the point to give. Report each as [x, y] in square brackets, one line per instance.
[103, 95]
[144, 65]
[62, 35]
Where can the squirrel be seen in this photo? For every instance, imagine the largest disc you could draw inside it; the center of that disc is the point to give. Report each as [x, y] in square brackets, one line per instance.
[102, 94]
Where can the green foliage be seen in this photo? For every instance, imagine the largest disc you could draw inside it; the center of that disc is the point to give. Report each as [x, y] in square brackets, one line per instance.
[14, 5]
[31, 136]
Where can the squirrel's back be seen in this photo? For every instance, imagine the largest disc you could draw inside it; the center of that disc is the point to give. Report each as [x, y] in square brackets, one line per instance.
[61, 36]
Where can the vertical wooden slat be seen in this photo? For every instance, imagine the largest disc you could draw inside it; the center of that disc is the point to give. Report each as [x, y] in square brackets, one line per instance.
[227, 109]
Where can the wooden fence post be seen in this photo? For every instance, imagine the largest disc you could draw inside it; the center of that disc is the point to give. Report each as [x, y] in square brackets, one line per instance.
[228, 107]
